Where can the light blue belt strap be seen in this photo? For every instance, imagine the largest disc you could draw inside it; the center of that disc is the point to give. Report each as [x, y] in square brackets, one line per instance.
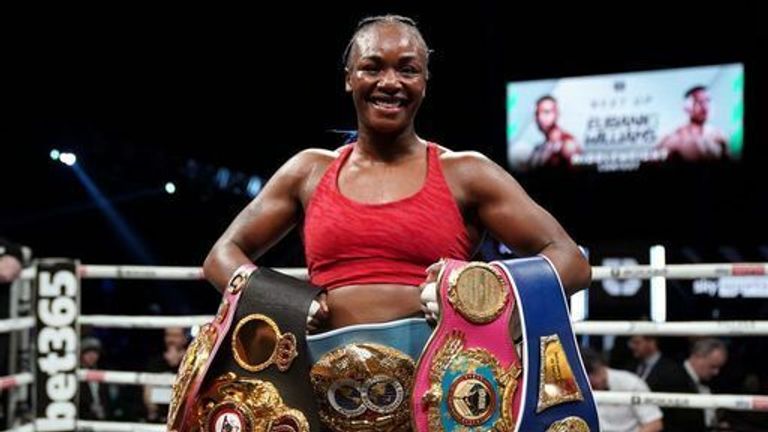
[408, 336]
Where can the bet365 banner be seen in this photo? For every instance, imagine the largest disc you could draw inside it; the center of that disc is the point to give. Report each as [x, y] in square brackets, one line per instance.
[58, 305]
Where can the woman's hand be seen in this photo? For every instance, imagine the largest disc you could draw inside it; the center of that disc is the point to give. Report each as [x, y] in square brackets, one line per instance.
[429, 304]
[318, 313]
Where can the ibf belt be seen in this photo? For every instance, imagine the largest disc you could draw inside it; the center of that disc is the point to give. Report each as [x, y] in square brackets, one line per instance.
[248, 369]
[467, 377]
[363, 374]
[557, 396]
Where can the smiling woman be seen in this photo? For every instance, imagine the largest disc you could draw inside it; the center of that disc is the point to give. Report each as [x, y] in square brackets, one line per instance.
[378, 212]
[378, 217]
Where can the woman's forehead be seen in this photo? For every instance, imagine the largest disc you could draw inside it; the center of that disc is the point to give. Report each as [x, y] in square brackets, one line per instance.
[381, 39]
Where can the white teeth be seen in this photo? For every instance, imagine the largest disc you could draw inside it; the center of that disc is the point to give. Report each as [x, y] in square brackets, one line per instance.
[388, 103]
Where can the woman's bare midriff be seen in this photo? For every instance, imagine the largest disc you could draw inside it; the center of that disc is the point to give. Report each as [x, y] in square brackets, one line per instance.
[372, 303]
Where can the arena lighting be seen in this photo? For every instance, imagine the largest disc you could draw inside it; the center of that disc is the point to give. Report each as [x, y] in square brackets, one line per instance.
[125, 232]
[254, 186]
[170, 188]
[68, 159]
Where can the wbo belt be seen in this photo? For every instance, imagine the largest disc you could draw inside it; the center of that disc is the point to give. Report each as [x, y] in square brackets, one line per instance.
[363, 374]
[467, 376]
[470, 377]
[247, 369]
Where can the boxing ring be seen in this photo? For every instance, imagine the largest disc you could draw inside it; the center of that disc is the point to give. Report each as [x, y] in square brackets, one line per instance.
[45, 320]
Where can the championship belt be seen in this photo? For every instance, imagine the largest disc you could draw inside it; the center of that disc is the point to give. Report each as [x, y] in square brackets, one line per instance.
[467, 377]
[247, 370]
[363, 374]
[556, 392]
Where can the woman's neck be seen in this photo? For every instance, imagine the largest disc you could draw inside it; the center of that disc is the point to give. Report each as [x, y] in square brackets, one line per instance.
[388, 147]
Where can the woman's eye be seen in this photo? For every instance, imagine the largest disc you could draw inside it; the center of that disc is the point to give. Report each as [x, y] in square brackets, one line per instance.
[369, 69]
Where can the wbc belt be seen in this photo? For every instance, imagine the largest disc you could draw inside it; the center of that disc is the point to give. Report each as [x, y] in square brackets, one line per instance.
[248, 369]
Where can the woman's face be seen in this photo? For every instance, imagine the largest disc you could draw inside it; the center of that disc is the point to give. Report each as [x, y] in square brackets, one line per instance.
[387, 76]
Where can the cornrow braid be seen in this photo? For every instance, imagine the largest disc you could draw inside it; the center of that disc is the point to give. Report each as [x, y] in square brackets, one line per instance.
[365, 23]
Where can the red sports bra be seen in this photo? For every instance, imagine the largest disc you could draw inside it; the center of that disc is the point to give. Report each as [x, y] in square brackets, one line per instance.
[352, 243]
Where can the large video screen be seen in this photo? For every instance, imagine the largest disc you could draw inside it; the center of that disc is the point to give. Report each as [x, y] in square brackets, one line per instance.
[621, 121]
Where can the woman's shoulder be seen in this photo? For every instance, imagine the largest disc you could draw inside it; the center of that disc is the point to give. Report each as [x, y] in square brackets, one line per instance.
[310, 160]
[317, 155]
[472, 175]
[463, 162]
[305, 169]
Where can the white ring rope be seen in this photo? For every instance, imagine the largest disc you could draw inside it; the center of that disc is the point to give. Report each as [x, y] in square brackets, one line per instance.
[150, 272]
[685, 400]
[15, 324]
[681, 271]
[103, 426]
[123, 377]
[619, 328]
[99, 426]
[18, 380]
[29, 427]
[681, 328]
[681, 400]
[139, 272]
[673, 271]
[99, 376]
[146, 322]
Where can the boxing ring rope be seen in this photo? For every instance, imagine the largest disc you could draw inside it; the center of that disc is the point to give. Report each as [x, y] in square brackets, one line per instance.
[99, 376]
[619, 328]
[684, 400]
[25, 428]
[103, 426]
[733, 402]
[99, 426]
[680, 328]
[144, 322]
[17, 380]
[680, 271]
[15, 324]
[658, 271]
[126, 378]
[736, 402]
[672, 271]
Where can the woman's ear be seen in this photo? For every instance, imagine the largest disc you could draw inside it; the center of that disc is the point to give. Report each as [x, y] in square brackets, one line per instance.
[347, 85]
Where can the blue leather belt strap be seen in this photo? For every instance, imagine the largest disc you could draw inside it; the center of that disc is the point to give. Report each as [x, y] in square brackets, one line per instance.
[544, 314]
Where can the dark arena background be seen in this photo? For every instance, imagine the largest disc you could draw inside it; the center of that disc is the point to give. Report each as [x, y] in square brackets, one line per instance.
[177, 119]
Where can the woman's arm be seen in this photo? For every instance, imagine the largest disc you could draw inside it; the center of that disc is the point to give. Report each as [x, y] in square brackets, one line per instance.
[507, 211]
[267, 219]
